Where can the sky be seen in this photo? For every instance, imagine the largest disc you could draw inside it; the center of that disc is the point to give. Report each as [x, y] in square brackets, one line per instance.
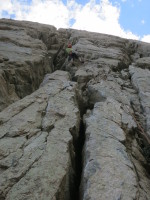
[124, 18]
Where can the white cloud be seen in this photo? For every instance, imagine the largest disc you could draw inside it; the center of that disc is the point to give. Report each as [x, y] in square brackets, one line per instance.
[48, 12]
[100, 17]
[103, 18]
[5, 6]
[146, 38]
[13, 7]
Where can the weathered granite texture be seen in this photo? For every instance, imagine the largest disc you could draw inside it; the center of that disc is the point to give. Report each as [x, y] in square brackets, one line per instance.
[141, 81]
[118, 126]
[36, 146]
[82, 134]
[27, 51]
[110, 169]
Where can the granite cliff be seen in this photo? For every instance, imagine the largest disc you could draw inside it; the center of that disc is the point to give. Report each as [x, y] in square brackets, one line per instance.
[73, 131]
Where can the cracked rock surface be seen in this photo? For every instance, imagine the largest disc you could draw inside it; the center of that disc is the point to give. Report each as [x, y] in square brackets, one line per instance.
[109, 170]
[36, 146]
[73, 131]
[27, 52]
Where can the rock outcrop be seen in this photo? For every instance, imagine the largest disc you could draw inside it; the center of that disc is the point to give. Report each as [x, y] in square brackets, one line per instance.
[27, 51]
[36, 147]
[72, 131]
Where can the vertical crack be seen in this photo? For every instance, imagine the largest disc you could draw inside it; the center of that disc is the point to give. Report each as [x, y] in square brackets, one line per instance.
[78, 145]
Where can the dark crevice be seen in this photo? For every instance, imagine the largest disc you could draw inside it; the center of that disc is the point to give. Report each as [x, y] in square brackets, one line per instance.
[139, 132]
[84, 104]
[141, 137]
[144, 147]
[131, 135]
[91, 106]
[145, 150]
[78, 145]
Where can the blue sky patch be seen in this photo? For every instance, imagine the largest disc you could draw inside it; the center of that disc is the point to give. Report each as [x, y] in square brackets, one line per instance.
[72, 21]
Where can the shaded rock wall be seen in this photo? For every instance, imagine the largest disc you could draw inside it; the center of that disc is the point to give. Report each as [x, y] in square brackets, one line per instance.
[84, 134]
[27, 51]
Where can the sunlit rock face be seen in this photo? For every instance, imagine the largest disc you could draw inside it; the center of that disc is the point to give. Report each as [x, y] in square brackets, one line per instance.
[73, 130]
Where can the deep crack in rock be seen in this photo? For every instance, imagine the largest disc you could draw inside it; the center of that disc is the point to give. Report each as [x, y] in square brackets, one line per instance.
[91, 146]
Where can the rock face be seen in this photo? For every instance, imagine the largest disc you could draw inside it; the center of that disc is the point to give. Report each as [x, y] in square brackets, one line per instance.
[72, 131]
[26, 54]
[36, 145]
